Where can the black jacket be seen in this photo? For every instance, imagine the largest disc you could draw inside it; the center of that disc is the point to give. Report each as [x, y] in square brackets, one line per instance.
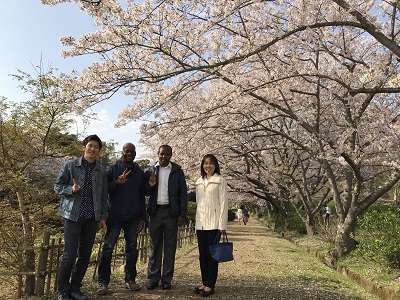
[127, 200]
[177, 191]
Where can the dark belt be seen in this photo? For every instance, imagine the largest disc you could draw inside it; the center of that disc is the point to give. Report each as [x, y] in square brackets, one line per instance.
[162, 206]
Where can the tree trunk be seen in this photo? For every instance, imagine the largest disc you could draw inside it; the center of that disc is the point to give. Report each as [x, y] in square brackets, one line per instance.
[310, 225]
[343, 242]
[29, 265]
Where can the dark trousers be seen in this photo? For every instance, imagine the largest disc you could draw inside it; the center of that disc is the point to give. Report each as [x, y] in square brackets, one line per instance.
[208, 267]
[163, 234]
[327, 218]
[78, 238]
[113, 231]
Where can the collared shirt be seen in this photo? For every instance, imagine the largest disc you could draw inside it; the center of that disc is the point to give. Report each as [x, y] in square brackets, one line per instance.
[87, 208]
[163, 175]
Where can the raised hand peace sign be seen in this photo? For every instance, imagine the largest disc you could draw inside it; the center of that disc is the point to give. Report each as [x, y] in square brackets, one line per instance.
[122, 178]
[152, 179]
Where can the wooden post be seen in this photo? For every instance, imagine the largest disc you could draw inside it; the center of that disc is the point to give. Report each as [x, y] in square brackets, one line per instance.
[141, 246]
[98, 256]
[114, 257]
[146, 242]
[20, 285]
[179, 237]
[57, 266]
[42, 265]
[50, 271]
[191, 237]
[187, 234]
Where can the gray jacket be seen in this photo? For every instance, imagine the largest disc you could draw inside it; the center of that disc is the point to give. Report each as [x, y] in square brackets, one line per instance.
[70, 203]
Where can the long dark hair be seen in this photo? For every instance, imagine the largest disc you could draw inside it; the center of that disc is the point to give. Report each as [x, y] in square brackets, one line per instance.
[214, 160]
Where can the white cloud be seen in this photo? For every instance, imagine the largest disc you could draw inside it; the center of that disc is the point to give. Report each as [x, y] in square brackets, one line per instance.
[104, 126]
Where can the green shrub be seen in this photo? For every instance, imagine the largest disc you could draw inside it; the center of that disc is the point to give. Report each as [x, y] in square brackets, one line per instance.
[278, 223]
[295, 223]
[191, 214]
[192, 197]
[232, 214]
[378, 234]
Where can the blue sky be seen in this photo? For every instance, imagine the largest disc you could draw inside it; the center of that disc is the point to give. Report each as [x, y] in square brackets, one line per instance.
[31, 30]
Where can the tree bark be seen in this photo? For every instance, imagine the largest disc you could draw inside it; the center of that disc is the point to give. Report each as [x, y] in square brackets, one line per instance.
[29, 264]
[344, 243]
[310, 225]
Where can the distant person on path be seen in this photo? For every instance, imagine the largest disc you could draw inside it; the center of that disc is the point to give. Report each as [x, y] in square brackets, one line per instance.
[327, 214]
[239, 215]
[126, 184]
[211, 218]
[167, 208]
[245, 215]
[82, 184]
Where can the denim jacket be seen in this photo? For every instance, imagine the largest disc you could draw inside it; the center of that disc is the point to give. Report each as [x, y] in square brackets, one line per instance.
[70, 203]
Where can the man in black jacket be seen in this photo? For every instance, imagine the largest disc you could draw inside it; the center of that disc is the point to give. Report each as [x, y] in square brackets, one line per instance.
[166, 186]
[126, 187]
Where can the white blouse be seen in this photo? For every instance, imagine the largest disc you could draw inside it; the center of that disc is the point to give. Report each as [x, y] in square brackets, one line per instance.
[212, 203]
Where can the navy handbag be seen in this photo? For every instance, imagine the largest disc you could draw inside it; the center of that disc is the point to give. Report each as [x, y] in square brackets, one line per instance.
[221, 251]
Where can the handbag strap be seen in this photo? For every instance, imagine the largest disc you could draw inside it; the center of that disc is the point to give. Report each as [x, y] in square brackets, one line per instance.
[225, 236]
[218, 237]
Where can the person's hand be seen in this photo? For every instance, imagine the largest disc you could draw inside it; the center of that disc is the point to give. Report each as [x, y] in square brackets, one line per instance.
[122, 178]
[76, 187]
[181, 221]
[140, 226]
[103, 226]
[152, 179]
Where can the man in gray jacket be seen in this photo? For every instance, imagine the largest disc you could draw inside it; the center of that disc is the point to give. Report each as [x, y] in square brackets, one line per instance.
[82, 184]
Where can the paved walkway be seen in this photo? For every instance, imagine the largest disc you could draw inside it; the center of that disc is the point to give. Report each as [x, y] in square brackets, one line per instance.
[266, 266]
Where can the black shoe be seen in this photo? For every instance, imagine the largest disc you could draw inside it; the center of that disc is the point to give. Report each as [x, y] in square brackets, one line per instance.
[197, 290]
[78, 295]
[166, 286]
[63, 296]
[102, 289]
[151, 285]
[208, 293]
[133, 286]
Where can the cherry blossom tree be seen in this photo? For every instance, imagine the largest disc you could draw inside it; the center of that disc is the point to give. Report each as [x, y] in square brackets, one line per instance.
[229, 76]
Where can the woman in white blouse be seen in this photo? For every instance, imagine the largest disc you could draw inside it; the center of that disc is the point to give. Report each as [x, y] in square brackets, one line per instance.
[211, 218]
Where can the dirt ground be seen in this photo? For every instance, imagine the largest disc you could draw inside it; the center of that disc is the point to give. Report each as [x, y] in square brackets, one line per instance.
[266, 266]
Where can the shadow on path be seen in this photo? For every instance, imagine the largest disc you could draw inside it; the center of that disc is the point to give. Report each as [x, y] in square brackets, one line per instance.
[266, 266]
